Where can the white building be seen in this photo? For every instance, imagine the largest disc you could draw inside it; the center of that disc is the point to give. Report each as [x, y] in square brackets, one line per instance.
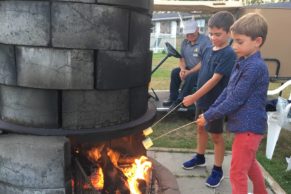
[168, 26]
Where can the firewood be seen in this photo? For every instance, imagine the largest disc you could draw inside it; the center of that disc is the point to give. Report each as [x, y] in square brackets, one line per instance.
[114, 179]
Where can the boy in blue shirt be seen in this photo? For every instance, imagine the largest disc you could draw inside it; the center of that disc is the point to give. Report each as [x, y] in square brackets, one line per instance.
[215, 69]
[243, 101]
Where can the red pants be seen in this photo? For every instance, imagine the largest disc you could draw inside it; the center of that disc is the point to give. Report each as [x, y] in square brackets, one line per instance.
[244, 164]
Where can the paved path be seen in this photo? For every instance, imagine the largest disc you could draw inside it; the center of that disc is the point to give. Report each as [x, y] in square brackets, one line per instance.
[193, 181]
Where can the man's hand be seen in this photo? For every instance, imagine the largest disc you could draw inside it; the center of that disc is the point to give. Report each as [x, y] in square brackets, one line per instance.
[187, 72]
[201, 122]
[182, 74]
[188, 100]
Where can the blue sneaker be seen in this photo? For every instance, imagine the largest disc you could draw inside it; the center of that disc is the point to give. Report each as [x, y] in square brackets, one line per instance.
[214, 179]
[195, 161]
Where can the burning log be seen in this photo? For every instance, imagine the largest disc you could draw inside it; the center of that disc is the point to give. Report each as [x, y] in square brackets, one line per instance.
[114, 173]
[142, 186]
[126, 160]
[88, 165]
[114, 179]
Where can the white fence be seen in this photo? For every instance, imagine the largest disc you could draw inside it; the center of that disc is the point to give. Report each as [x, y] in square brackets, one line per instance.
[157, 43]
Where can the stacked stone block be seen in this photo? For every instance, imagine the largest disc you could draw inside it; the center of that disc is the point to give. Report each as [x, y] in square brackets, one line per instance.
[69, 65]
[30, 165]
[54, 54]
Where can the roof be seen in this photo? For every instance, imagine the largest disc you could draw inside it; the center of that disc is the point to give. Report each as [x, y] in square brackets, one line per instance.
[282, 5]
[158, 16]
[199, 6]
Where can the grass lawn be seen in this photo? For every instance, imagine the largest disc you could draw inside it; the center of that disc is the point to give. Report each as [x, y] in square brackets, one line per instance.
[160, 78]
[186, 137]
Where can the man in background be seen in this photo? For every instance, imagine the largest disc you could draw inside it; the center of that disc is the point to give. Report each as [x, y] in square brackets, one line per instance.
[191, 47]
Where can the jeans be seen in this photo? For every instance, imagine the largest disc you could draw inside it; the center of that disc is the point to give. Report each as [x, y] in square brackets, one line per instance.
[190, 82]
[244, 164]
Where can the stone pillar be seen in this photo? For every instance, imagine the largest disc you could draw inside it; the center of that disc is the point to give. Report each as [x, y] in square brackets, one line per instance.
[34, 165]
[66, 65]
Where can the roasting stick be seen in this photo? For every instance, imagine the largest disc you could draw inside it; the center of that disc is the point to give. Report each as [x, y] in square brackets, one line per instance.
[147, 143]
[149, 130]
[171, 131]
[167, 114]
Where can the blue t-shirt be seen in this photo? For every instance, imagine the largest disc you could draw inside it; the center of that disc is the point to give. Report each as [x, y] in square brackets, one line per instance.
[244, 99]
[221, 62]
[190, 52]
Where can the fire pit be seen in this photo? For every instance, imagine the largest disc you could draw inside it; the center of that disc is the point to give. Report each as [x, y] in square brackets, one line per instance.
[111, 172]
[74, 74]
[119, 165]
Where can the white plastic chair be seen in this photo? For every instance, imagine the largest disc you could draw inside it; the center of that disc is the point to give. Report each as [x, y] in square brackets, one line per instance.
[276, 121]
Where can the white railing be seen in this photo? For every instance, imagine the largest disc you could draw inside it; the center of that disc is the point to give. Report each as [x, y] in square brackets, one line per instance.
[157, 42]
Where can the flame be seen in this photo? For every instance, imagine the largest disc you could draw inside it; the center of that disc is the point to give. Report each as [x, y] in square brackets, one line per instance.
[95, 153]
[114, 156]
[97, 179]
[139, 170]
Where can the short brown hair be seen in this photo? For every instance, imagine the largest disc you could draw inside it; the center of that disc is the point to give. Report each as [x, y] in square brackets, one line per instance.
[252, 25]
[222, 19]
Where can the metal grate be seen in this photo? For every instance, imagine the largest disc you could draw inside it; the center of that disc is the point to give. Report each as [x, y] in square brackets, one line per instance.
[81, 179]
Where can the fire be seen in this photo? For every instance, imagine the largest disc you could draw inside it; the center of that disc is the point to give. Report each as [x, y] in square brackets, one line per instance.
[97, 179]
[137, 171]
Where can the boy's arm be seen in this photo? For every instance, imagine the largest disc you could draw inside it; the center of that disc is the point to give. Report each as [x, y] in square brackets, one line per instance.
[201, 121]
[188, 100]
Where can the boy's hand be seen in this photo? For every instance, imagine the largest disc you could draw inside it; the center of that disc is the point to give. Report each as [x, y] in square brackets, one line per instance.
[201, 121]
[188, 100]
